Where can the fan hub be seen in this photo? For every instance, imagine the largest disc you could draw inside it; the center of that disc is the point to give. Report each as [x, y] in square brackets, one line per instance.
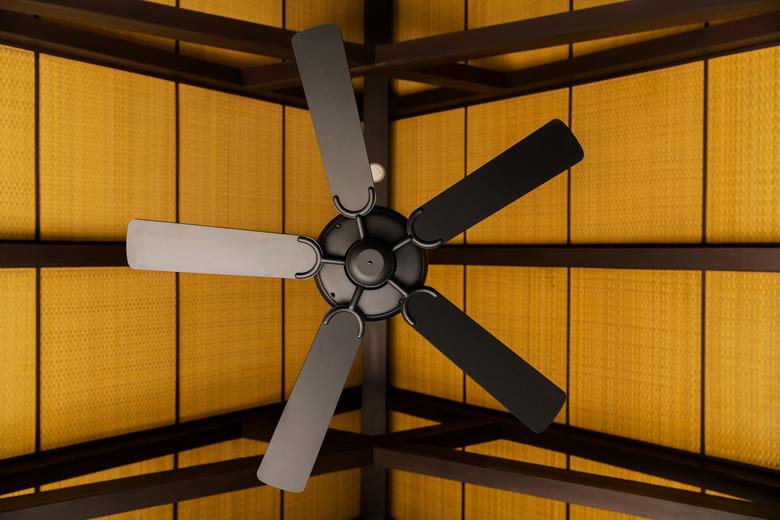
[370, 263]
[362, 256]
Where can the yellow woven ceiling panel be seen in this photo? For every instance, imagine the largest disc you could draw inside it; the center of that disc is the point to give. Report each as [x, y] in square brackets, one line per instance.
[164, 512]
[107, 353]
[414, 19]
[17, 144]
[304, 309]
[230, 343]
[348, 14]
[412, 496]
[427, 159]
[601, 44]
[108, 151]
[495, 504]
[742, 378]
[335, 495]
[308, 202]
[231, 162]
[636, 342]
[641, 179]
[230, 326]
[588, 466]
[526, 309]
[492, 12]
[261, 503]
[540, 216]
[266, 12]
[743, 147]
[17, 362]
[417, 365]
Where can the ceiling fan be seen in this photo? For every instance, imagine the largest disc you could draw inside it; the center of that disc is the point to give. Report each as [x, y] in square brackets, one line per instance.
[369, 262]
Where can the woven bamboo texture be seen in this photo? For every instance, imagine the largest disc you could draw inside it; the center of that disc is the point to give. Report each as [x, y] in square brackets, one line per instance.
[17, 144]
[635, 344]
[107, 150]
[427, 158]
[266, 12]
[540, 216]
[262, 503]
[495, 504]
[414, 19]
[482, 13]
[742, 384]
[107, 353]
[526, 309]
[641, 179]
[413, 496]
[743, 147]
[17, 362]
[601, 44]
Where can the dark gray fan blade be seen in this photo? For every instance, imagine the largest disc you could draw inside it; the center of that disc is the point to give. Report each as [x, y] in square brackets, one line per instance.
[528, 164]
[298, 437]
[530, 396]
[322, 65]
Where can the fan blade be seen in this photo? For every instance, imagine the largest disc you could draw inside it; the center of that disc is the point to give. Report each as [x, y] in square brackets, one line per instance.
[526, 165]
[294, 446]
[322, 65]
[530, 396]
[164, 246]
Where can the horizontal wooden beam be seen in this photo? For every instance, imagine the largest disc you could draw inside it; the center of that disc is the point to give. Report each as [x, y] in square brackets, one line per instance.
[697, 257]
[709, 42]
[74, 43]
[733, 478]
[80, 459]
[623, 496]
[14, 254]
[715, 257]
[165, 487]
[558, 29]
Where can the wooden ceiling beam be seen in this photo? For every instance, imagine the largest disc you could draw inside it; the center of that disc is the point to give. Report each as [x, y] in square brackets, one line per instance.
[74, 43]
[558, 29]
[613, 494]
[709, 42]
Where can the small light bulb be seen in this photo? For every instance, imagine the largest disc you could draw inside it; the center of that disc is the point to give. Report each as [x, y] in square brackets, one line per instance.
[377, 172]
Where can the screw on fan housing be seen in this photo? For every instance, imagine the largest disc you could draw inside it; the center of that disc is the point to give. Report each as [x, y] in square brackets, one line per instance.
[370, 263]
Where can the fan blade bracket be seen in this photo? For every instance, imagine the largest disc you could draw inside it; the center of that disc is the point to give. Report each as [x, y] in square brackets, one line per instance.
[317, 262]
[422, 244]
[352, 311]
[365, 210]
[405, 307]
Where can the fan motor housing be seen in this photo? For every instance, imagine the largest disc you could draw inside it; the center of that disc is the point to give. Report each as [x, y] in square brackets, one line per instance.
[370, 262]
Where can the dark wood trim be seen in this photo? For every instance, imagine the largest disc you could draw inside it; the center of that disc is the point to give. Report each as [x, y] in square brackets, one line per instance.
[14, 254]
[733, 478]
[70, 461]
[559, 29]
[126, 494]
[677, 49]
[377, 28]
[623, 496]
[711, 257]
[714, 257]
[73, 43]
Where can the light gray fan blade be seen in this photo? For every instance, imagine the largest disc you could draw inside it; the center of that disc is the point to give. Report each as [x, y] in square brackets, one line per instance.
[322, 65]
[164, 246]
[298, 437]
